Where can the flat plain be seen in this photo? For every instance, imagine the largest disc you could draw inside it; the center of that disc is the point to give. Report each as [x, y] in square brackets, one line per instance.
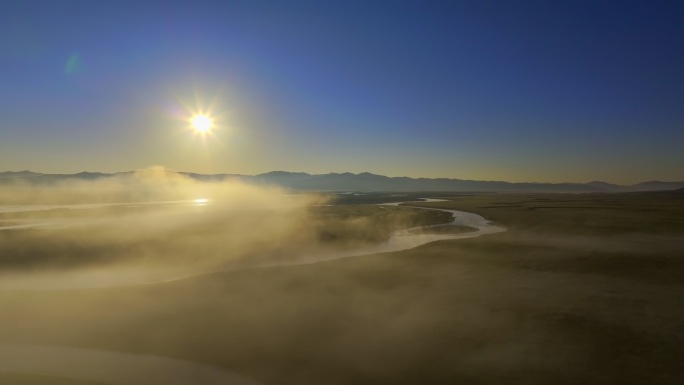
[582, 288]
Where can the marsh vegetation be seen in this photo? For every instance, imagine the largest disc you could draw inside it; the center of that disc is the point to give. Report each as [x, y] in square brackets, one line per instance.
[580, 289]
[198, 235]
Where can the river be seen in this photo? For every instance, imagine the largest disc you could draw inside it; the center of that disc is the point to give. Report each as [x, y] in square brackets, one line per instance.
[129, 276]
[133, 369]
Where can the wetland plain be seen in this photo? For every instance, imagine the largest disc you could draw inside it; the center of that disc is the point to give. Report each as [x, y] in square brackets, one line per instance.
[580, 288]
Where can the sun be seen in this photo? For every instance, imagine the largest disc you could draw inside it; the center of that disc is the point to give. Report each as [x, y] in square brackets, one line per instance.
[201, 123]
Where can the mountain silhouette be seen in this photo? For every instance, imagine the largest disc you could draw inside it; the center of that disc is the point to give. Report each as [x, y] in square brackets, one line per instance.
[364, 182]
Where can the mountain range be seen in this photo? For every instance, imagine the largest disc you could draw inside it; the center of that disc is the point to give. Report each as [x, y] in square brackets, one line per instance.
[364, 182]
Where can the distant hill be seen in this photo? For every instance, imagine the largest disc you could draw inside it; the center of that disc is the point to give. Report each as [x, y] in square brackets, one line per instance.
[657, 186]
[608, 186]
[371, 182]
[365, 182]
[18, 174]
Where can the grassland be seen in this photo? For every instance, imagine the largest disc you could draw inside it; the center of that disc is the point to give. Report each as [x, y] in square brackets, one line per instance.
[581, 289]
[128, 235]
[444, 229]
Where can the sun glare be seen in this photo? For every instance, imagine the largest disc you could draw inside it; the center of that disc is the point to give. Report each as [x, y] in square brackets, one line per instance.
[201, 123]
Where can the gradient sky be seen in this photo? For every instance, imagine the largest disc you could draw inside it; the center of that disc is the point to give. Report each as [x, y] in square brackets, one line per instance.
[489, 90]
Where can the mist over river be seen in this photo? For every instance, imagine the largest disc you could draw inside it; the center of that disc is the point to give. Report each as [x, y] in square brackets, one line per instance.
[133, 275]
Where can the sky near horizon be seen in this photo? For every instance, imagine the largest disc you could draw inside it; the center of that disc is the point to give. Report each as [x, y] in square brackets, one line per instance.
[546, 91]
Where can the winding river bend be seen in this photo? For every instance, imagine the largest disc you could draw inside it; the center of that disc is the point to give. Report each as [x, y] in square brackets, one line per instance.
[122, 276]
[405, 239]
[133, 369]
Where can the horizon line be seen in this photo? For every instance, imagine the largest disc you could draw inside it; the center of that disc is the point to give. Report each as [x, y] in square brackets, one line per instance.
[347, 172]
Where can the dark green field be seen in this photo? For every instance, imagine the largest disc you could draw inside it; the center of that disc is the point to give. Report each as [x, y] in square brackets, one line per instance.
[581, 289]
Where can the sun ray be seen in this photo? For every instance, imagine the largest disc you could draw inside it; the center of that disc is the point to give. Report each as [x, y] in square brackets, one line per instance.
[202, 123]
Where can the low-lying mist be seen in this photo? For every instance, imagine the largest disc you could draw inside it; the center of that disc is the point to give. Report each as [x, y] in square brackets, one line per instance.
[161, 224]
[574, 292]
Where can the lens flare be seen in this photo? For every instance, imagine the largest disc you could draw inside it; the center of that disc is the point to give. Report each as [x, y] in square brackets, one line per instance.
[201, 123]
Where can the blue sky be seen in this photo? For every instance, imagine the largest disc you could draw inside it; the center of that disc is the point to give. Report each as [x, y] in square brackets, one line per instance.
[490, 90]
